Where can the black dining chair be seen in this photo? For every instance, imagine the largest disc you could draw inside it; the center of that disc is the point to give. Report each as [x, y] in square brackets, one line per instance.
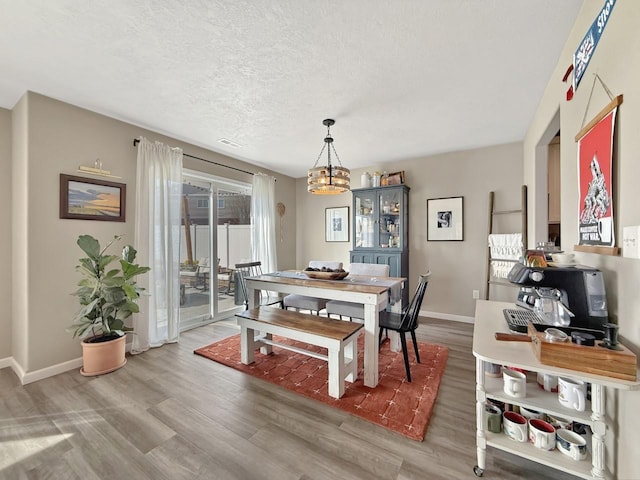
[406, 322]
[251, 269]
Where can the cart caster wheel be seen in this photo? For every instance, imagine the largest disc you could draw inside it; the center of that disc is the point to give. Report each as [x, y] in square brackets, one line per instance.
[478, 471]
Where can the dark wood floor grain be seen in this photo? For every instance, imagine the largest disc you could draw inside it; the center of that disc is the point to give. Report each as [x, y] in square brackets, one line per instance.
[170, 414]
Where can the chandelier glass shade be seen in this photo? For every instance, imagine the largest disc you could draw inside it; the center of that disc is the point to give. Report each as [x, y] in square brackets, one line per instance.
[329, 179]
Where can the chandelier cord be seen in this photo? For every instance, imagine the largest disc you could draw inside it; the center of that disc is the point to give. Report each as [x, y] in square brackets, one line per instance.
[330, 143]
[320, 155]
[336, 154]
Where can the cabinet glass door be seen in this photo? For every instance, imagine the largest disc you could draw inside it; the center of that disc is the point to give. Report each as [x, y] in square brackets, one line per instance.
[364, 220]
[390, 226]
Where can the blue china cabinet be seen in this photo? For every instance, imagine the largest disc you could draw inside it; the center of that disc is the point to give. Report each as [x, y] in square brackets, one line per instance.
[380, 226]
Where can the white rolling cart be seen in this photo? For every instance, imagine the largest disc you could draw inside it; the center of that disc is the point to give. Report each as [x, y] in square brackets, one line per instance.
[490, 319]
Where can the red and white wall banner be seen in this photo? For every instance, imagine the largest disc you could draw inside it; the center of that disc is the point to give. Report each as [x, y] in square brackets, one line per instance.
[595, 156]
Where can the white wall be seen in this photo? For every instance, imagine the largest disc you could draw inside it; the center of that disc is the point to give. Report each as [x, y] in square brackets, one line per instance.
[458, 268]
[5, 233]
[19, 233]
[49, 138]
[617, 62]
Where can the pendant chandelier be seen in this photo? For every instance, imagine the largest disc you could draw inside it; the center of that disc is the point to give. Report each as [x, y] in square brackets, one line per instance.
[329, 179]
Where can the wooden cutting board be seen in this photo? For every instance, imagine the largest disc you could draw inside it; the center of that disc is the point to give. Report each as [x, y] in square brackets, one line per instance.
[597, 360]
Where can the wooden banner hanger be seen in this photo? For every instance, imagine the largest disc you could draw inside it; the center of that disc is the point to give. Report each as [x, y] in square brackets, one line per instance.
[615, 101]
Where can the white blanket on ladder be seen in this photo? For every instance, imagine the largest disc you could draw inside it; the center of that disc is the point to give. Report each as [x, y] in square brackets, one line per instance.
[504, 246]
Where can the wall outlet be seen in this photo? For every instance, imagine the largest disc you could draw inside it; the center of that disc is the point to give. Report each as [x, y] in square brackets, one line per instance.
[630, 242]
[476, 294]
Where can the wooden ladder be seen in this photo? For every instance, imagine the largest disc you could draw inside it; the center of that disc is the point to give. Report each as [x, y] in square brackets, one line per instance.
[493, 212]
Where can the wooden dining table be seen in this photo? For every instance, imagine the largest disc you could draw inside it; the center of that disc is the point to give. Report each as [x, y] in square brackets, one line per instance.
[373, 293]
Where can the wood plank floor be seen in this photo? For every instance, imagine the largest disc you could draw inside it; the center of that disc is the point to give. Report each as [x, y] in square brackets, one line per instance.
[170, 414]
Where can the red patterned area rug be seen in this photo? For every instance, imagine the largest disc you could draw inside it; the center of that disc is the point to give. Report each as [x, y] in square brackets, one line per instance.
[395, 404]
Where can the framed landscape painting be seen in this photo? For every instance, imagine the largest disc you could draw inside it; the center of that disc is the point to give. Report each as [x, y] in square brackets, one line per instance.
[445, 219]
[91, 199]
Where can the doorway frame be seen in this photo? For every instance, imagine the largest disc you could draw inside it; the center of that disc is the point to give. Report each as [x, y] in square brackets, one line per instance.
[539, 218]
[215, 182]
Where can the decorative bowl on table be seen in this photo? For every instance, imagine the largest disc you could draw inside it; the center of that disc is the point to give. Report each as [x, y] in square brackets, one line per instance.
[325, 275]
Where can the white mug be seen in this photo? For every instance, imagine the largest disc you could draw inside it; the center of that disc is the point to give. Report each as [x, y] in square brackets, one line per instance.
[560, 422]
[492, 369]
[572, 393]
[548, 382]
[515, 383]
[571, 444]
[514, 426]
[562, 258]
[529, 413]
[604, 229]
[542, 434]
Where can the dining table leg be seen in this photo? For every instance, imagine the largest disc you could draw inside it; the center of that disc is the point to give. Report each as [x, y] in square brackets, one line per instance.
[254, 301]
[253, 297]
[371, 322]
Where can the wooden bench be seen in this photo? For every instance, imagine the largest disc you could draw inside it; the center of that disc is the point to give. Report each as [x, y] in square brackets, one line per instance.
[338, 337]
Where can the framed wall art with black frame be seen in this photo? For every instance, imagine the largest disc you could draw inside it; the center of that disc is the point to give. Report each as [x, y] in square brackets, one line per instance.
[91, 199]
[445, 219]
[336, 224]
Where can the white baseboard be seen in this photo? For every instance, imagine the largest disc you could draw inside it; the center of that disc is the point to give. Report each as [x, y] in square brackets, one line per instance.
[17, 369]
[43, 373]
[6, 362]
[47, 372]
[51, 371]
[447, 316]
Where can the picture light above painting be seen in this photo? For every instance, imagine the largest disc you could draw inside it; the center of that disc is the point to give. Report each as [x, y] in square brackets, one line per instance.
[90, 199]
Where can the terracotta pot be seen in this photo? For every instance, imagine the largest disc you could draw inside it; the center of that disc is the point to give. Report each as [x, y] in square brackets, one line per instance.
[103, 357]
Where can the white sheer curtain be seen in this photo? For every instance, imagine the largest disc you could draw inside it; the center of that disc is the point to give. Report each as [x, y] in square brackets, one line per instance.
[157, 238]
[263, 220]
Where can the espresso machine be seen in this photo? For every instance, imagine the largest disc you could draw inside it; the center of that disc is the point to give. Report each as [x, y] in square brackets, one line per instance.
[581, 291]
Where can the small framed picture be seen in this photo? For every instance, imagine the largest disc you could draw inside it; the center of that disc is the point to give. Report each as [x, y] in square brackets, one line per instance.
[90, 199]
[396, 178]
[445, 221]
[336, 224]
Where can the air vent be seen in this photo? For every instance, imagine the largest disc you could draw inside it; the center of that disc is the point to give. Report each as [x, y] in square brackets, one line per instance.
[229, 143]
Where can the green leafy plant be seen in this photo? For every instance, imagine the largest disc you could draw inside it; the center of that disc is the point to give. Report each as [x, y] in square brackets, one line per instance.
[108, 296]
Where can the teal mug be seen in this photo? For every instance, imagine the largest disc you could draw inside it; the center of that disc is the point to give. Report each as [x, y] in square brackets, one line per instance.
[493, 418]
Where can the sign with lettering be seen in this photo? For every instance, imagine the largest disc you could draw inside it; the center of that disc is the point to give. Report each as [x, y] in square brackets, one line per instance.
[583, 54]
[595, 151]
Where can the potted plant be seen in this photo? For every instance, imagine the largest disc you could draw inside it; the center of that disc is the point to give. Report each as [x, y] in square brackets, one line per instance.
[108, 295]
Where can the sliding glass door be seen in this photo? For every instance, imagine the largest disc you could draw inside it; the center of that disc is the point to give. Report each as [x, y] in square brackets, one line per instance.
[215, 236]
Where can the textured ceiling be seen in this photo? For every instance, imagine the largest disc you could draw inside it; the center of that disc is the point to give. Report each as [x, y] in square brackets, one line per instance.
[402, 78]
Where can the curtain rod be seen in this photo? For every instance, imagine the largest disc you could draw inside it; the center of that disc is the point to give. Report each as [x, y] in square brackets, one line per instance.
[137, 141]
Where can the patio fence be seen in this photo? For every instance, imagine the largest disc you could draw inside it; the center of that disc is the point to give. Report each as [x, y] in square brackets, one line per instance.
[234, 244]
